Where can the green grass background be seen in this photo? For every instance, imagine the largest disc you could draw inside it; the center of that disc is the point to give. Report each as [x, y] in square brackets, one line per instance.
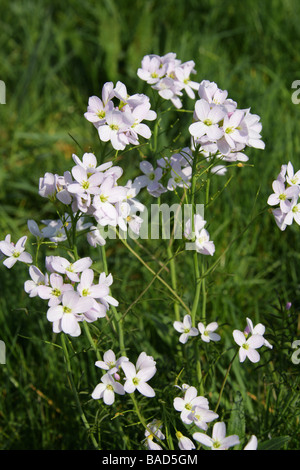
[53, 56]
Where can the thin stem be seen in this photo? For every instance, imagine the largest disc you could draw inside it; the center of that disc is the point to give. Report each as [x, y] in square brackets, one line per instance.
[71, 380]
[195, 256]
[117, 316]
[155, 274]
[224, 381]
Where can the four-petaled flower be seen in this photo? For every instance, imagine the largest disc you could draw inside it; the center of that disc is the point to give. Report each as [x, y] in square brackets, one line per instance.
[218, 441]
[185, 328]
[107, 389]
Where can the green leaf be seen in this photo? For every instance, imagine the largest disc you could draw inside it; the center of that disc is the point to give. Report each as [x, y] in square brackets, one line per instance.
[237, 423]
[273, 444]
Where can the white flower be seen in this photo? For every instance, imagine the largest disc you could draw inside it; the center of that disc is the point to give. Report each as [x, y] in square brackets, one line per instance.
[65, 317]
[154, 430]
[15, 252]
[207, 333]
[202, 242]
[201, 416]
[54, 291]
[184, 443]
[110, 363]
[283, 195]
[107, 300]
[186, 404]
[45, 232]
[185, 328]
[248, 346]
[218, 441]
[259, 329]
[64, 266]
[207, 121]
[37, 280]
[137, 379]
[252, 444]
[107, 389]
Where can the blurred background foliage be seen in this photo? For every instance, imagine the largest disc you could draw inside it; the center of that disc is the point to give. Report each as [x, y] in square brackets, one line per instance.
[53, 56]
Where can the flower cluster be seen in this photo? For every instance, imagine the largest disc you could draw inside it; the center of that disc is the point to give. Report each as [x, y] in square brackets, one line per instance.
[221, 129]
[248, 345]
[194, 409]
[169, 76]
[71, 293]
[286, 194]
[91, 190]
[134, 377]
[121, 124]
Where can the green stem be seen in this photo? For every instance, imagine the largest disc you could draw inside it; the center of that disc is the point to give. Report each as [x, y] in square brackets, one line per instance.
[141, 417]
[117, 316]
[155, 274]
[195, 256]
[224, 381]
[71, 380]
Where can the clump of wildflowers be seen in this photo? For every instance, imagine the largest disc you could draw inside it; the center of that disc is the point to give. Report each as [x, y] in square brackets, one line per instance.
[120, 123]
[169, 76]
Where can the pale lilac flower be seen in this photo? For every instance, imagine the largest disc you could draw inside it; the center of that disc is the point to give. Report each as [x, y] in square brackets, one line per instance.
[210, 92]
[62, 184]
[218, 441]
[184, 443]
[94, 237]
[110, 363]
[137, 380]
[71, 270]
[283, 195]
[234, 132]
[150, 178]
[84, 182]
[186, 404]
[45, 232]
[114, 129]
[207, 121]
[66, 317]
[201, 416]
[107, 389]
[293, 214]
[252, 444]
[54, 291]
[107, 300]
[292, 178]
[89, 163]
[202, 242]
[144, 361]
[15, 252]
[207, 332]
[183, 73]
[254, 127]
[185, 328]
[248, 346]
[151, 69]
[87, 288]
[258, 329]
[104, 202]
[47, 186]
[97, 108]
[38, 279]
[279, 217]
[154, 430]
